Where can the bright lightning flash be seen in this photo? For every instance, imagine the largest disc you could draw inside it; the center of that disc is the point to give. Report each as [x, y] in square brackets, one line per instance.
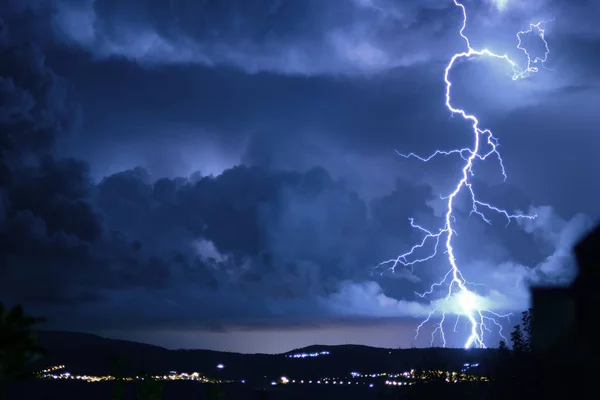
[484, 146]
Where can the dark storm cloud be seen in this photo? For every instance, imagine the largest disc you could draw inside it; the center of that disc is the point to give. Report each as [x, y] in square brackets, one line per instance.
[241, 240]
[51, 235]
[36, 108]
[278, 219]
[275, 239]
[309, 37]
[268, 35]
[204, 117]
[251, 233]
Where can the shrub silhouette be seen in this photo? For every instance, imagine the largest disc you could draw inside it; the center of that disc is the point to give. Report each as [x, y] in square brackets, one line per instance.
[18, 344]
[214, 392]
[149, 388]
[117, 369]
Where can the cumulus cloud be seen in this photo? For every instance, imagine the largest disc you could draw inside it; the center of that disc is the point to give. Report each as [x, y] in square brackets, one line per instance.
[366, 299]
[254, 242]
[502, 288]
[562, 235]
[507, 284]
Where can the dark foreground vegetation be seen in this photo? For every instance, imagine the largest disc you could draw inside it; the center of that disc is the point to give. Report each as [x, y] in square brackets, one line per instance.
[513, 373]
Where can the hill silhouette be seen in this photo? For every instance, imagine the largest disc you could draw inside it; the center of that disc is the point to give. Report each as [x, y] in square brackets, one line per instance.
[84, 353]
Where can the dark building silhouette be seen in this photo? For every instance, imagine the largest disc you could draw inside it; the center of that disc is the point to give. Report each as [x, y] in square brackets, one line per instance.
[562, 316]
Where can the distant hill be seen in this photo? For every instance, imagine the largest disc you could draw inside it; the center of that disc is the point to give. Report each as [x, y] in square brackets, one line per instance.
[315, 348]
[62, 339]
[90, 354]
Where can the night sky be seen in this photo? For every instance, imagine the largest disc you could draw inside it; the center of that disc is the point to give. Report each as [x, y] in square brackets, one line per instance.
[222, 174]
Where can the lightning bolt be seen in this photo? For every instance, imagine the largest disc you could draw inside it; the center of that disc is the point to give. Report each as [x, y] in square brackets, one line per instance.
[485, 145]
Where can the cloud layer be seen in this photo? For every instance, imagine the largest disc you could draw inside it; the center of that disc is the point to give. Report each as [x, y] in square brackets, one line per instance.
[254, 242]
[269, 35]
[288, 236]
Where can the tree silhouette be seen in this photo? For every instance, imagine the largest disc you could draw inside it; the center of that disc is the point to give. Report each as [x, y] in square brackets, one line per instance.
[18, 344]
[504, 369]
[117, 370]
[517, 339]
[523, 370]
[214, 392]
[526, 321]
[521, 337]
[149, 388]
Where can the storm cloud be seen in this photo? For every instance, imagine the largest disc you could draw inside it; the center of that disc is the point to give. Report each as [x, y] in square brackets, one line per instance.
[195, 166]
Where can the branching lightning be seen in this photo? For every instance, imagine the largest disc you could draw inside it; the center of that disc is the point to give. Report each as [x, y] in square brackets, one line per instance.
[485, 146]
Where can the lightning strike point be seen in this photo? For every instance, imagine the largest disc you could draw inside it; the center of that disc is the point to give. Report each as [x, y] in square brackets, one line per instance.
[465, 300]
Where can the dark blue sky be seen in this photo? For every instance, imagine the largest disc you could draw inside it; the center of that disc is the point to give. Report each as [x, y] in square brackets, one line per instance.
[222, 174]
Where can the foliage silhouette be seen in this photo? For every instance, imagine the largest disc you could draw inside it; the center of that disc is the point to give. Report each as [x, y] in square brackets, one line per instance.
[117, 369]
[518, 340]
[214, 392]
[263, 395]
[149, 388]
[526, 321]
[19, 347]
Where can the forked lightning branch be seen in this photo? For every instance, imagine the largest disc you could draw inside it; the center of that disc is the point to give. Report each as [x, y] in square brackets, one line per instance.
[484, 147]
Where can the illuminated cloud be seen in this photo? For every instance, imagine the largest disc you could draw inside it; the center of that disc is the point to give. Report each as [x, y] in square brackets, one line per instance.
[501, 5]
[314, 38]
[270, 239]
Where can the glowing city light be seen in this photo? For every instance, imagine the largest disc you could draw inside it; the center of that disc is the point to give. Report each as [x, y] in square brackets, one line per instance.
[306, 355]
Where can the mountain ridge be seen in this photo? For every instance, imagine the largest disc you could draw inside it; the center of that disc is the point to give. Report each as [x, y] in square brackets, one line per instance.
[85, 353]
